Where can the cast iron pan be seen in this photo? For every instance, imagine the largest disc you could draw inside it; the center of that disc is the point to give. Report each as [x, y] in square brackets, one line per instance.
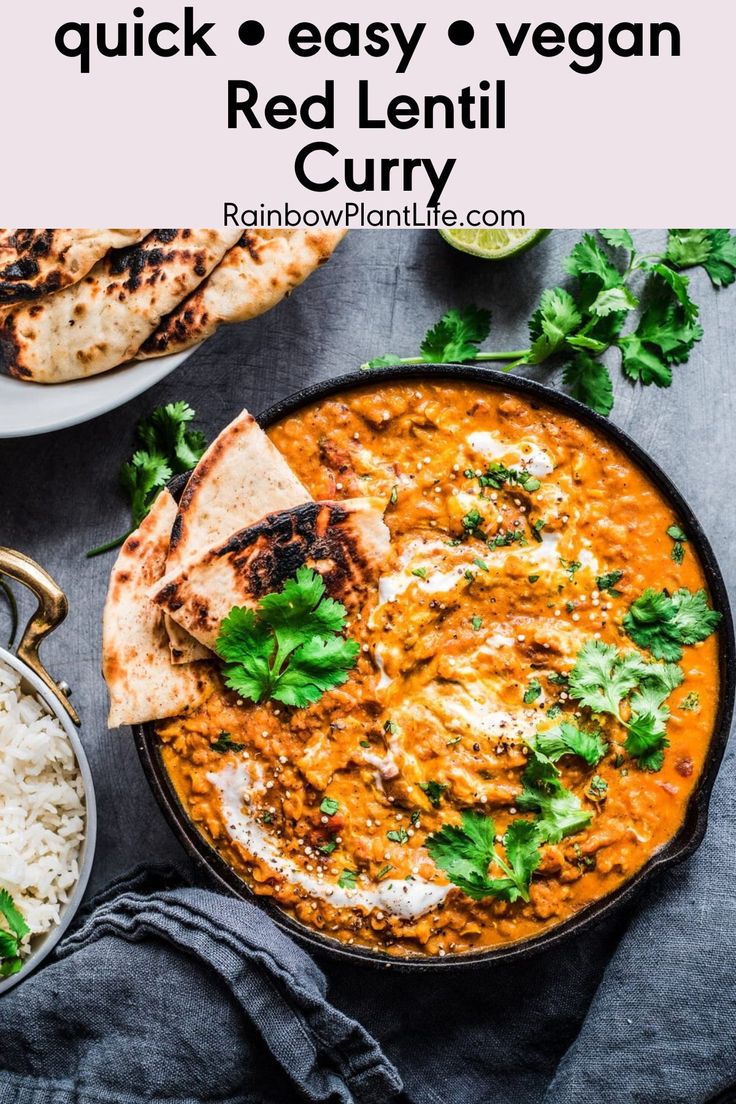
[683, 844]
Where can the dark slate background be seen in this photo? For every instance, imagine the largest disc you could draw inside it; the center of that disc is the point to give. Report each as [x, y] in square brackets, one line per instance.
[502, 1033]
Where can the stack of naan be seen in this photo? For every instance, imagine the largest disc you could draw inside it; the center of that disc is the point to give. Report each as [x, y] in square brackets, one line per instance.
[243, 525]
[74, 303]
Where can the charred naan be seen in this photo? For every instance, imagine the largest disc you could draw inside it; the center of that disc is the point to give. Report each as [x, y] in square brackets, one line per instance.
[252, 277]
[346, 542]
[241, 478]
[37, 262]
[102, 321]
[142, 683]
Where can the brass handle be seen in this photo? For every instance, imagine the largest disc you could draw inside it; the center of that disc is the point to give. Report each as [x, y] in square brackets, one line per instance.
[51, 611]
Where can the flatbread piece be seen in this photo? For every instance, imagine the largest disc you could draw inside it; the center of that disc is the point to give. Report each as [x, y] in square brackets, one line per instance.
[345, 541]
[241, 478]
[136, 665]
[252, 277]
[102, 321]
[38, 262]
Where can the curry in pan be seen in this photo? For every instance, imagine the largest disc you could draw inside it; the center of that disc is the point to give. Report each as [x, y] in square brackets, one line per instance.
[505, 685]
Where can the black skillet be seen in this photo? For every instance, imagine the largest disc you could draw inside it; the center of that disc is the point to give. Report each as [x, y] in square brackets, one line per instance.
[690, 834]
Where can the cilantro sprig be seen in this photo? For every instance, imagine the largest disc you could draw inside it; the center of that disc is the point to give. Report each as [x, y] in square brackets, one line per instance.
[663, 623]
[11, 935]
[466, 852]
[168, 447]
[604, 678]
[291, 648]
[653, 328]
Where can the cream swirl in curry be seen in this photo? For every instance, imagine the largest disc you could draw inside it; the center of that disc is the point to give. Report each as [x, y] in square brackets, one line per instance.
[519, 539]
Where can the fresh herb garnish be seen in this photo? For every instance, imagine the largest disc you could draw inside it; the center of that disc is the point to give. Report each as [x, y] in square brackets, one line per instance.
[559, 812]
[329, 806]
[467, 851]
[383, 872]
[554, 710]
[663, 623]
[680, 540]
[348, 879]
[603, 678]
[597, 788]
[472, 521]
[434, 791]
[568, 739]
[478, 562]
[533, 578]
[497, 474]
[168, 447]
[608, 582]
[477, 623]
[398, 835]
[420, 572]
[537, 527]
[580, 328]
[571, 567]
[290, 649]
[532, 692]
[691, 703]
[225, 742]
[10, 941]
[715, 250]
[329, 847]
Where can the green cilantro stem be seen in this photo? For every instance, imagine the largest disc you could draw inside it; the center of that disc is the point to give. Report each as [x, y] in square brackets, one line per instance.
[109, 546]
[652, 332]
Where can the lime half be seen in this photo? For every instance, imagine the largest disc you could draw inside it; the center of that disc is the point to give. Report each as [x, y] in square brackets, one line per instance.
[494, 245]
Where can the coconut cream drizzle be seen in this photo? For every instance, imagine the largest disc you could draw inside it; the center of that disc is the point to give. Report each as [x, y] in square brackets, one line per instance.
[402, 898]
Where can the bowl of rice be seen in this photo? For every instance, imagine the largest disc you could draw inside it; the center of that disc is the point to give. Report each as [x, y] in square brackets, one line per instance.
[47, 808]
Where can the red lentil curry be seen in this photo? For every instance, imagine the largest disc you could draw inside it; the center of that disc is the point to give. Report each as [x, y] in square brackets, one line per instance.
[518, 538]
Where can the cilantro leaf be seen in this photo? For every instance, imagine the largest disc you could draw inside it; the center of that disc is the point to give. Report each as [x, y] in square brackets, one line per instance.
[589, 381]
[225, 743]
[618, 239]
[166, 431]
[607, 582]
[434, 791]
[665, 335]
[12, 915]
[466, 851]
[141, 477]
[663, 623]
[611, 300]
[10, 941]
[170, 447]
[559, 812]
[602, 676]
[457, 335]
[715, 250]
[588, 259]
[348, 879]
[290, 649]
[556, 317]
[567, 739]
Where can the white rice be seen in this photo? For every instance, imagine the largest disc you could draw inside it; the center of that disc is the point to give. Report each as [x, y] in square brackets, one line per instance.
[42, 813]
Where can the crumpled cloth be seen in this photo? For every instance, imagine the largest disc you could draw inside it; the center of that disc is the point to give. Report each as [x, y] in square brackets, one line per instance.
[185, 996]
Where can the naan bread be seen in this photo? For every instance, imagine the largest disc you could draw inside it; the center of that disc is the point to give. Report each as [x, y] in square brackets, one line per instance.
[102, 321]
[254, 276]
[347, 542]
[37, 262]
[142, 684]
[241, 478]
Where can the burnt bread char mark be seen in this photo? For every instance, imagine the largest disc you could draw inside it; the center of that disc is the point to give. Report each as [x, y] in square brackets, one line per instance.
[9, 353]
[30, 245]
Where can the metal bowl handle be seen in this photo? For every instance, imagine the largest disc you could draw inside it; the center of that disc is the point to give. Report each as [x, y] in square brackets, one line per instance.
[51, 611]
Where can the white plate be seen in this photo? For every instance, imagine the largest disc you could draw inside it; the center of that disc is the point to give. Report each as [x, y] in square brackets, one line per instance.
[30, 408]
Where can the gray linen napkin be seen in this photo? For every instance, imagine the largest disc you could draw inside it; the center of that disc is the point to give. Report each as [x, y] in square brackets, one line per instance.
[185, 996]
